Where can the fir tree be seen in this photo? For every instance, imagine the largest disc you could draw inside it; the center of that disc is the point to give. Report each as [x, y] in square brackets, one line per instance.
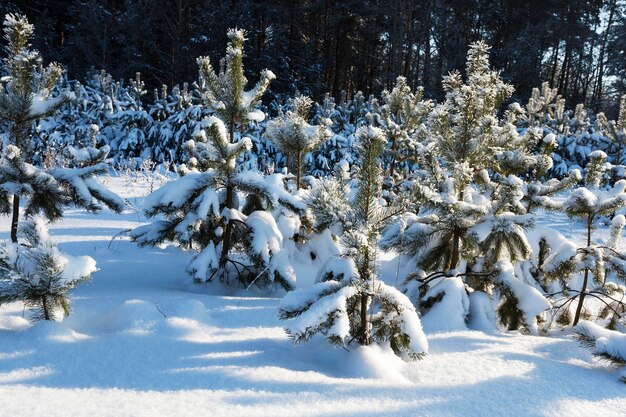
[24, 97]
[349, 302]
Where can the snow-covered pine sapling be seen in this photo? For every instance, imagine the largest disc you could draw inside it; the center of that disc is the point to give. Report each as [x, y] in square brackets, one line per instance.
[465, 130]
[465, 126]
[294, 136]
[38, 275]
[438, 232]
[400, 115]
[538, 194]
[544, 106]
[202, 211]
[349, 302]
[465, 229]
[588, 203]
[537, 190]
[615, 130]
[25, 95]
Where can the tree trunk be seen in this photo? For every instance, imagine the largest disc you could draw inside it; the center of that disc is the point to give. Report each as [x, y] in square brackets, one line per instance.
[227, 235]
[298, 169]
[555, 61]
[365, 336]
[456, 251]
[456, 244]
[15, 217]
[597, 91]
[393, 158]
[229, 203]
[44, 303]
[583, 290]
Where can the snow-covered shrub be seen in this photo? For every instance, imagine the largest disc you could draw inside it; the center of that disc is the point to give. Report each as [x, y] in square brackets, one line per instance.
[350, 302]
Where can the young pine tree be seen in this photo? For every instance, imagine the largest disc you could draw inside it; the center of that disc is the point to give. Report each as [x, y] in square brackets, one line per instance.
[466, 224]
[588, 203]
[349, 302]
[400, 116]
[615, 130]
[294, 136]
[25, 96]
[36, 273]
[204, 210]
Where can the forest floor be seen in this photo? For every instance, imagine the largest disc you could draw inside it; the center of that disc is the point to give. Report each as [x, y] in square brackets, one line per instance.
[142, 340]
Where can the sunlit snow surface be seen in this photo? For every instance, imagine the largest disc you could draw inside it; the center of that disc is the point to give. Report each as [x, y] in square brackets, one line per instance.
[143, 341]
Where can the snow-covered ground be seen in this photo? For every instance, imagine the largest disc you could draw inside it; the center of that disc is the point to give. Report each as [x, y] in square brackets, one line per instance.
[142, 340]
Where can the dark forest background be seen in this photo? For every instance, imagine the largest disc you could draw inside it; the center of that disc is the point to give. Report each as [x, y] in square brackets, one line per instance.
[319, 46]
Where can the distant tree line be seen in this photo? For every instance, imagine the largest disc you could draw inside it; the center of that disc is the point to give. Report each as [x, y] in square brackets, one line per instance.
[319, 46]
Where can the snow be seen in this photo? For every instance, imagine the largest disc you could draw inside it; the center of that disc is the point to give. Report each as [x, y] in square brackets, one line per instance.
[606, 341]
[330, 307]
[142, 340]
[530, 301]
[266, 238]
[176, 193]
[41, 104]
[450, 313]
[481, 312]
[597, 154]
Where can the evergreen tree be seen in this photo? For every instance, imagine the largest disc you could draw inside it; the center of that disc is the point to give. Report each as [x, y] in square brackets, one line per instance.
[400, 116]
[349, 302]
[202, 209]
[36, 273]
[465, 127]
[466, 225]
[589, 203]
[294, 136]
[615, 130]
[25, 96]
